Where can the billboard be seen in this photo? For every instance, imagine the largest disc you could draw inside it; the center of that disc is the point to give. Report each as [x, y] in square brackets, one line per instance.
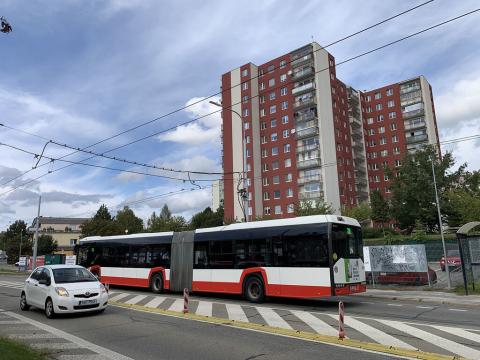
[395, 258]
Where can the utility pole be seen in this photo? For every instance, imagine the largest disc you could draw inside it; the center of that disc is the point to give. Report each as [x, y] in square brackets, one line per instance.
[449, 284]
[35, 243]
[20, 251]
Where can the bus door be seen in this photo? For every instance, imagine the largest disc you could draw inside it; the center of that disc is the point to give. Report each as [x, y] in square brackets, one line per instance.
[181, 265]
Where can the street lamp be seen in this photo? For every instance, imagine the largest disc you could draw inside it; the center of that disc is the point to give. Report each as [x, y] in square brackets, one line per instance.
[244, 194]
[449, 284]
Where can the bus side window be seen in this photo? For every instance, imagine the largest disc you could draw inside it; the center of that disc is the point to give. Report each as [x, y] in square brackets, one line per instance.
[200, 255]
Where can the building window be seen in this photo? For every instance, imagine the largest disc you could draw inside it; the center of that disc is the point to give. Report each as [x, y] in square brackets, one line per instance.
[375, 166]
[289, 192]
[266, 210]
[271, 68]
[378, 95]
[381, 129]
[265, 181]
[273, 123]
[271, 82]
[283, 77]
[285, 119]
[275, 165]
[245, 99]
[376, 178]
[290, 208]
[278, 209]
[385, 177]
[378, 107]
[393, 127]
[380, 118]
[371, 132]
[370, 121]
[286, 133]
[265, 167]
[369, 98]
[249, 167]
[246, 125]
[271, 96]
[261, 99]
[384, 153]
[245, 86]
[288, 163]
[247, 139]
[392, 115]
[283, 91]
[263, 125]
[264, 140]
[286, 148]
[264, 153]
[395, 138]
[369, 109]
[245, 72]
[389, 92]
[276, 194]
[245, 112]
[276, 180]
[283, 63]
[274, 150]
[262, 86]
[262, 112]
[332, 76]
[396, 150]
[284, 105]
[273, 137]
[273, 109]
[383, 141]
[288, 177]
[247, 151]
[391, 103]
[266, 195]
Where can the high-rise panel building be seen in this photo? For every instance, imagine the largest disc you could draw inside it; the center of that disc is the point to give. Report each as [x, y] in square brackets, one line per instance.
[293, 132]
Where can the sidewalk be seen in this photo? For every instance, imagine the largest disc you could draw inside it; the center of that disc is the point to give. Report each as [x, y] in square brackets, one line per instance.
[437, 297]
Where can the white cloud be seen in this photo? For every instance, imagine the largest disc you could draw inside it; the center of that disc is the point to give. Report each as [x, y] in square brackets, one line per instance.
[129, 177]
[464, 151]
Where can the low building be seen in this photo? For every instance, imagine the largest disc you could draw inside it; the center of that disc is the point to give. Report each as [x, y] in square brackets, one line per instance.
[65, 231]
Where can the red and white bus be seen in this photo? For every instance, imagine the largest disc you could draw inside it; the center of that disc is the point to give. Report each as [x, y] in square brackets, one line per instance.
[304, 257]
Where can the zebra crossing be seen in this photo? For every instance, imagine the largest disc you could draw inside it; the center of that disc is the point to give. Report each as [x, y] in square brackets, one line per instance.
[408, 335]
[435, 338]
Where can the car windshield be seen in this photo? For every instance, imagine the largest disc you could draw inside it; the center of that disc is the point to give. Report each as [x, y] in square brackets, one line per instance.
[70, 275]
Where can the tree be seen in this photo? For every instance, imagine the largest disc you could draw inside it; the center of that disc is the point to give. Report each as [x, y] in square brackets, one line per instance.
[165, 213]
[413, 195]
[12, 240]
[308, 207]
[46, 245]
[380, 208]
[128, 222]
[207, 218]
[102, 224]
[464, 205]
[362, 212]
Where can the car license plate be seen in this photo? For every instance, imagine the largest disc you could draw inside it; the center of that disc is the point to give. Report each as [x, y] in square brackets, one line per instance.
[87, 302]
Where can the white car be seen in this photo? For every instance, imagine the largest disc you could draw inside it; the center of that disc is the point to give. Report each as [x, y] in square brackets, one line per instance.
[63, 289]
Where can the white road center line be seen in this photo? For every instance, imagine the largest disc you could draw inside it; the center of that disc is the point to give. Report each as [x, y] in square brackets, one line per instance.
[177, 305]
[118, 297]
[272, 318]
[424, 307]
[136, 299]
[204, 308]
[109, 354]
[395, 305]
[375, 334]
[315, 323]
[155, 302]
[436, 340]
[462, 310]
[235, 312]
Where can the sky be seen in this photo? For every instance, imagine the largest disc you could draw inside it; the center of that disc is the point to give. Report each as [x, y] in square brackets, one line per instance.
[78, 72]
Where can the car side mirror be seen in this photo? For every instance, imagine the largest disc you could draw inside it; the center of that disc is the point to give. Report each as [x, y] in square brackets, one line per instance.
[44, 282]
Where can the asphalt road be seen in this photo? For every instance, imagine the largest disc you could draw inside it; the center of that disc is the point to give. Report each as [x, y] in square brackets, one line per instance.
[141, 335]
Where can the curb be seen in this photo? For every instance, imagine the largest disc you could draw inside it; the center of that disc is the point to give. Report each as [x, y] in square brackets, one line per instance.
[422, 300]
[325, 339]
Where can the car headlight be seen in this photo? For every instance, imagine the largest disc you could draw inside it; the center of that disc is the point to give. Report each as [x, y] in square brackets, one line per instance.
[61, 291]
[103, 289]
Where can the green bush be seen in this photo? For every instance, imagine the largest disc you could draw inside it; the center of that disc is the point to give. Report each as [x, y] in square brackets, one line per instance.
[374, 233]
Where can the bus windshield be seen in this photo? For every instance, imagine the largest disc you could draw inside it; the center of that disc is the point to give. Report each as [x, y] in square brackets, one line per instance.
[346, 242]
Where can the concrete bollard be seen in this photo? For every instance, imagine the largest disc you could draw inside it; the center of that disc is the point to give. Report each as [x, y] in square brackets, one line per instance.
[185, 301]
[341, 325]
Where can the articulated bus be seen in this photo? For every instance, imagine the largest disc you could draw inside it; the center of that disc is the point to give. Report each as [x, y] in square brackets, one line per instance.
[305, 257]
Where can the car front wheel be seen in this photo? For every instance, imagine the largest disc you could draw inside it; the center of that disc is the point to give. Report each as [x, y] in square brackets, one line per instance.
[23, 303]
[49, 312]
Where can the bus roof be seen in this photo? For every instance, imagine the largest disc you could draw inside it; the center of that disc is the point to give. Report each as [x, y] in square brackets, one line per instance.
[131, 236]
[301, 220]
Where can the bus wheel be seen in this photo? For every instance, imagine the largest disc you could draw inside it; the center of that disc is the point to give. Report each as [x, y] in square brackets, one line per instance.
[254, 290]
[156, 283]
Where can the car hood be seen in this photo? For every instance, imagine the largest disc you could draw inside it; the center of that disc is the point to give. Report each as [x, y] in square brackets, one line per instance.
[80, 286]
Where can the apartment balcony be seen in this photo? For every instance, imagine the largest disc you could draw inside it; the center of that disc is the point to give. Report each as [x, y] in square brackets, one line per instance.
[308, 179]
[308, 71]
[418, 125]
[297, 105]
[302, 59]
[310, 195]
[306, 116]
[303, 88]
[411, 101]
[356, 135]
[409, 89]
[417, 138]
[305, 164]
[357, 145]
[307, 132]
[304, 148]
[413, 113]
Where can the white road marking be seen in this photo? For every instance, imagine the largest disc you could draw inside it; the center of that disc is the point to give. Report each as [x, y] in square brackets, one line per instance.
[458, 332]
[272, 318]
[375, 334]
[235, 312]
[56, 346]
[439, 341]
[462, 310]
[10, 322]
[72, 338]
[424, 307]
[315, 323]
[136, 299]
[118, 297]
[395, 305]
[177, 306]
[81, 357]
[155, 302]
[367, 302]
[204, 308]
